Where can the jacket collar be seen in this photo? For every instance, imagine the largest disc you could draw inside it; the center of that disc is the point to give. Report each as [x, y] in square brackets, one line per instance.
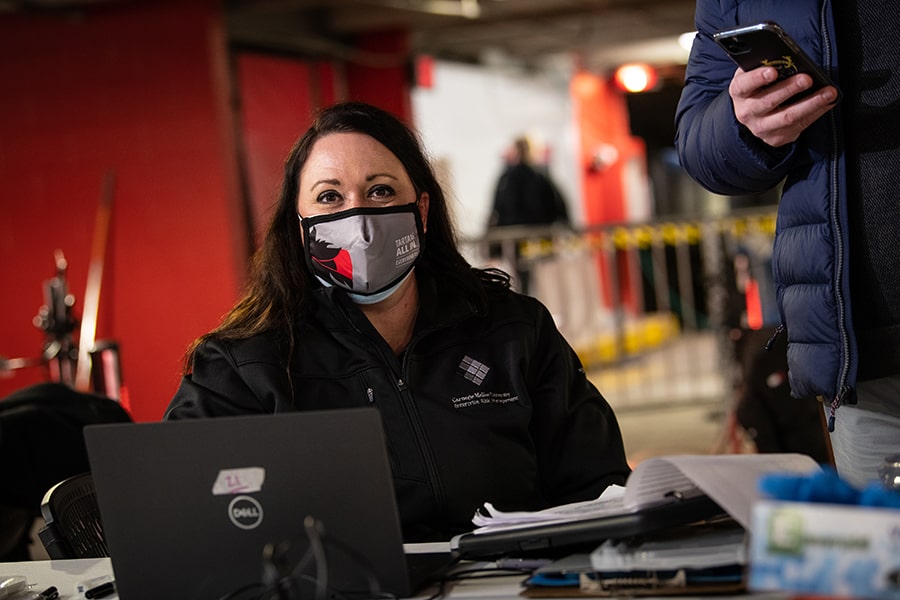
[440, 305]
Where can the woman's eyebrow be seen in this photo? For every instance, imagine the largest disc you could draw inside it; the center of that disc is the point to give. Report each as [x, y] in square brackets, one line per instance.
[376, 175]
[338, 182]
[324, 182]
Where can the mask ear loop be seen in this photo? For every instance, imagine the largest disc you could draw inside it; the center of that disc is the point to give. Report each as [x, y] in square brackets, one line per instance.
[304, 236]
[302, 228]
[423, 219]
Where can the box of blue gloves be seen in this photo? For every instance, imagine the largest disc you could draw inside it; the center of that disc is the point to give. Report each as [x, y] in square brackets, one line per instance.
[817, 535]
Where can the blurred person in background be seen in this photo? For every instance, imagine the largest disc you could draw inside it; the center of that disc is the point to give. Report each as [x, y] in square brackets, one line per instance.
[525, 196]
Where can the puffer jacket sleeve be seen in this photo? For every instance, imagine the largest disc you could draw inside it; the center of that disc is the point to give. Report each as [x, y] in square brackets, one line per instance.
[579, 443]
[222, 384]
[717, 151]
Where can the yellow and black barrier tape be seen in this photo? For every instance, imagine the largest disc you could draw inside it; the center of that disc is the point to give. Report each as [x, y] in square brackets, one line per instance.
[645, 236]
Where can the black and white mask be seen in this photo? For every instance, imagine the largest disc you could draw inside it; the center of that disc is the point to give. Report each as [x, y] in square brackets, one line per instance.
[368, 251]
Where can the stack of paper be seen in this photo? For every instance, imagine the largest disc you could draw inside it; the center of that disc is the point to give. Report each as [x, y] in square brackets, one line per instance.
[611, 502]
[729, 479]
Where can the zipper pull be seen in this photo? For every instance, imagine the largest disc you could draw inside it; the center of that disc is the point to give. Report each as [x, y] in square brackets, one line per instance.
[771, 342]
[838, 400]
[401, 384]
[371, 394]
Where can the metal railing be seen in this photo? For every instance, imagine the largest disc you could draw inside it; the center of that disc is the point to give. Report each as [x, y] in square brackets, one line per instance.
[649, 303]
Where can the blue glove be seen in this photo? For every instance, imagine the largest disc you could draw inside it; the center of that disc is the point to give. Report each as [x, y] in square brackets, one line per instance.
[827, 487]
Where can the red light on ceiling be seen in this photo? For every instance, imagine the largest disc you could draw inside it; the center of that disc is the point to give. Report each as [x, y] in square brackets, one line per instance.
[635, 78]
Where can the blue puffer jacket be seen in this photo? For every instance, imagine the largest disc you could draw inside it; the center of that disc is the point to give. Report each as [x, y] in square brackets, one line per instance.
[811, 243]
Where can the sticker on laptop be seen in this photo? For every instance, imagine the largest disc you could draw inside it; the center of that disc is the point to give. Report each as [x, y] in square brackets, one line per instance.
[239, 481]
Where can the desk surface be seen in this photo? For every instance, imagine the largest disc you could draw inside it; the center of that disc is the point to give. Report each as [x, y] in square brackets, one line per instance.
[66, 574]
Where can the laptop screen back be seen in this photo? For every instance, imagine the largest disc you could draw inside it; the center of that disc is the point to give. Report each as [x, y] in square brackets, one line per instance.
[188, 507]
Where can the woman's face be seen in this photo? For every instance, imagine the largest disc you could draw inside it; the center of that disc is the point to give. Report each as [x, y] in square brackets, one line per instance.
[353, 170]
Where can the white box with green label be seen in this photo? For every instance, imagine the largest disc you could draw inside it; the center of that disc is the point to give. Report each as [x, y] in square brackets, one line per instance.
[825, 549]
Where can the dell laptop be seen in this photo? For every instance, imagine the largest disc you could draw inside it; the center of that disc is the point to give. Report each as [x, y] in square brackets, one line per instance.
[234, 506]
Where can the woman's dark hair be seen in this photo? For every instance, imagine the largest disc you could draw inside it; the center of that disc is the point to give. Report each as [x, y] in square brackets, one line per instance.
[279, 281]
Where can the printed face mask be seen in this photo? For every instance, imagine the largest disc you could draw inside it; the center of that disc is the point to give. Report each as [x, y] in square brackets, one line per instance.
[365, 251]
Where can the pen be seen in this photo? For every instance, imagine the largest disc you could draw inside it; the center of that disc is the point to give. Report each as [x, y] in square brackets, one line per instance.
[101, 591]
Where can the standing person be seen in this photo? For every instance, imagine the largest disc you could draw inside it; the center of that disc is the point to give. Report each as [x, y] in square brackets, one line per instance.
[360, 297]
[525, 195]
[836, 247]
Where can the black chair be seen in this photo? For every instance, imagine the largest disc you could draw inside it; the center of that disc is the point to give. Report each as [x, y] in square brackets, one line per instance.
[41, 444]
[73, 528]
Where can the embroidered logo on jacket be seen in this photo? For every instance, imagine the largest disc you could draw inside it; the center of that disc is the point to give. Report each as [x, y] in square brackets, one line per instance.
[473, 370]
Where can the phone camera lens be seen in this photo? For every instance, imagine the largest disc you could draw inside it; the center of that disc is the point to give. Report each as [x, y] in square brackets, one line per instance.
[736, 45]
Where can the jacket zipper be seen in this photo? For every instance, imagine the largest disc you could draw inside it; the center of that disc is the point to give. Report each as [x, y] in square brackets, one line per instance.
[412, 416]
[842, 388]
[434, 479]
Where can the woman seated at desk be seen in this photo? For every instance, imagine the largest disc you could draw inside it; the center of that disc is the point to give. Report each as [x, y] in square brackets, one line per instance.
[359, 296]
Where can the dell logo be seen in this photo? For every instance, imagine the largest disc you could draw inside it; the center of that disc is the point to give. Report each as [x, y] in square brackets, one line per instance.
[245, 512]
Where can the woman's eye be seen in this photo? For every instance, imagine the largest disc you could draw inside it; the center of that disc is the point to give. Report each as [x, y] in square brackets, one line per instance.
[382, 192]
[328, 197]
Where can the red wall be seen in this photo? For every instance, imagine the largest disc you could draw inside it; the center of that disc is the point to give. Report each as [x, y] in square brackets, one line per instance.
[607, 145]
[139, 89]
[275, 109]
[380, 74]
[602, 115]
[280, 94]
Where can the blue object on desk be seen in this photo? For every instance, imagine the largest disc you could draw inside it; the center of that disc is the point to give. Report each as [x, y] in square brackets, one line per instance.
[553, 580]
[826, 486]
[642, 580]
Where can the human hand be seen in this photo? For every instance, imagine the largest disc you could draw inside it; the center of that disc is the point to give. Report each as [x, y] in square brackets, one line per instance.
[759, 104]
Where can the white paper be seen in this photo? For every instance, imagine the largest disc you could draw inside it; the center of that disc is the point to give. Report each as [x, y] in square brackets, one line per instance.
[609, 502]
[729, 479]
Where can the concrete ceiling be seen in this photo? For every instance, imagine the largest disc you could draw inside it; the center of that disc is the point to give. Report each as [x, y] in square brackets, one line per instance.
[600, 33]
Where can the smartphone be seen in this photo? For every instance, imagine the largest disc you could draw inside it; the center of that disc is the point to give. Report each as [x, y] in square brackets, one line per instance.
[767, 44]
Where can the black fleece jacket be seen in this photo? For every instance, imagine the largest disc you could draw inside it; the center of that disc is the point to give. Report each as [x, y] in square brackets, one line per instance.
[487, 403]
